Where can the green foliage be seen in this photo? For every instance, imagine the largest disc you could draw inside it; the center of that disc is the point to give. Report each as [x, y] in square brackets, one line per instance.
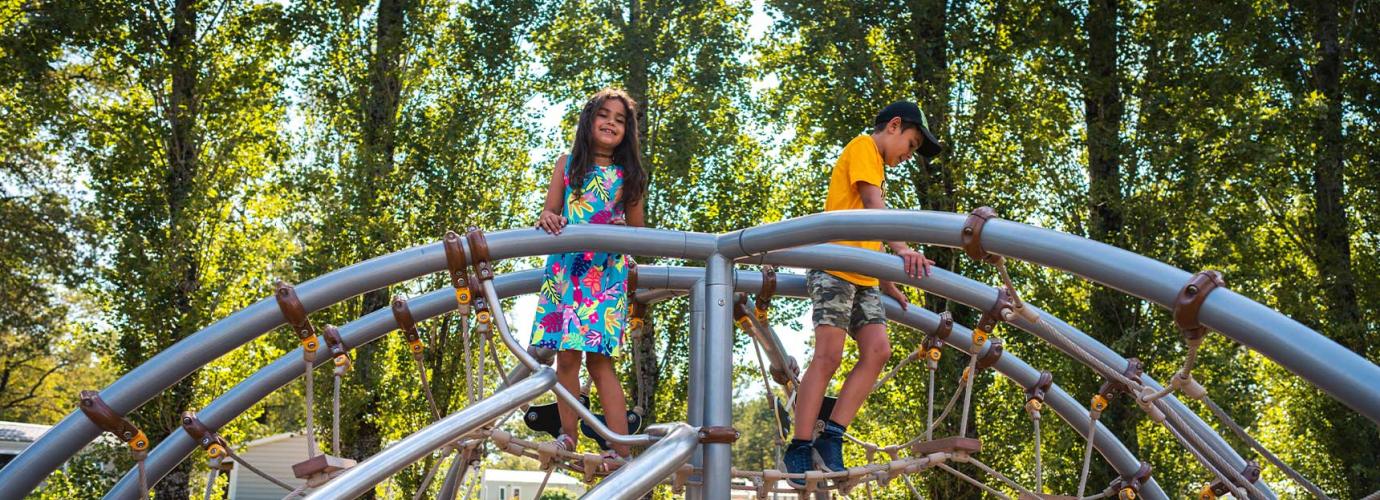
[161, 170]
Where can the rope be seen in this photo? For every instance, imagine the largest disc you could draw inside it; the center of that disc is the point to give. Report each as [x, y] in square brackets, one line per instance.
[252, 468]
[972, 481]
[210, 482]
[143, 475]
[469, 369]
[1241, 433]
[1039, 465]
[335, 415]
[1000, 477]
[968, 393]
[1206, 454]
[426, 386]
[544, 479]
[897, 369]
[1087, 453]
[431, 474]
[312, 451]
[929, 402]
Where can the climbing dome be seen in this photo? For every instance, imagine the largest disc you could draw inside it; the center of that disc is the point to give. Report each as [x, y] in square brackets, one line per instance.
[694, 456]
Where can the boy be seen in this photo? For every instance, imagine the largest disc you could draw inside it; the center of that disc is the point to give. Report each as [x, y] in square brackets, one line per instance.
[848, 303]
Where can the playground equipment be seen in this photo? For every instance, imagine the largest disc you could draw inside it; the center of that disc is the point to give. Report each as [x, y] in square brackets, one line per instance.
[695, 455]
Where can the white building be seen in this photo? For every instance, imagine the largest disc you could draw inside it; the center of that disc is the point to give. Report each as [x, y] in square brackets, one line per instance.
[15, 437]
[503, 484]
[274, 455]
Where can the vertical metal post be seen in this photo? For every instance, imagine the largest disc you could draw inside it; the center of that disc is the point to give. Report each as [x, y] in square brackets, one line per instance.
[695, 403]
[718, 372]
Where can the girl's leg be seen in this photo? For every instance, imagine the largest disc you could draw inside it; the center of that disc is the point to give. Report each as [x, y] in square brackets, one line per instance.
[568, 375]
[610, 396]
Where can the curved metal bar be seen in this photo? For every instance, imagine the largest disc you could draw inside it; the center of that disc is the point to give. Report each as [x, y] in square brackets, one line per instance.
[637, 477]
[164, 369]
[177, 447]
[362, 477]
[981, 296]
[1343, 374]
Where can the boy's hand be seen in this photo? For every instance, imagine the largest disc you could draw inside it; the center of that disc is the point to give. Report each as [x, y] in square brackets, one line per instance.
[550, 222]
[915, 263]
[892, 291]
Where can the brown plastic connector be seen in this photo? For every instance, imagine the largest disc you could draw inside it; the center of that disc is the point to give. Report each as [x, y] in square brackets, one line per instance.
[334, 342]
[456, 260]
[768, 291]
[483, 316]
[1001, 309]
[991, 356]
[1190, 301]
[479, 252]
[1037, 391]
[1128, 487]
[1111, 388]
[972, 235]
[718, 434]
[107, 420]
[204, 436]
[631, 286]
[1251, 473]
[295, 314]
[403, 315]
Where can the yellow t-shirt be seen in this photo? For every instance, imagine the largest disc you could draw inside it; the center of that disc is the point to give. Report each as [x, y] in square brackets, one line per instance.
[859, 162]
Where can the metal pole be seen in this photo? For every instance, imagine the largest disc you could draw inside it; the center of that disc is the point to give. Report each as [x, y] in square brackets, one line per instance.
[718, 372]
[695, 389]
[362, 477]
[639, 476]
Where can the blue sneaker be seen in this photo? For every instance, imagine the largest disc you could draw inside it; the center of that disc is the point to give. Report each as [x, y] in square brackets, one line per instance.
[798, 459]
[829, 445]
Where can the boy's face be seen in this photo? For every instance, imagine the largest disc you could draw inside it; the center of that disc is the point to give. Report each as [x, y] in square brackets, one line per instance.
[897, 145]
[609, 122]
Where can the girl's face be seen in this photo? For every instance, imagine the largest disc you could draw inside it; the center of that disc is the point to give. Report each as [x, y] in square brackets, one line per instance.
[609, 121]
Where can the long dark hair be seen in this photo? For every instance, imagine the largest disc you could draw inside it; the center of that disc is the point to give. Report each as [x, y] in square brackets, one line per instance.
[627, 154]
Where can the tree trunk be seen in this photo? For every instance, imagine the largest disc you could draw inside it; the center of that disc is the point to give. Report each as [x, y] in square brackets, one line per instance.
[380, 117]
[1354, 437]
[1112, 320]
[183, 151]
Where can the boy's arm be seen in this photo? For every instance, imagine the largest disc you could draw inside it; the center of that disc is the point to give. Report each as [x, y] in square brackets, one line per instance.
[916, 265]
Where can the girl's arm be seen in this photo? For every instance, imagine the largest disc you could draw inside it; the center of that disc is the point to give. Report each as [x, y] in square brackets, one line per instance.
[550, 218]
[636, 214]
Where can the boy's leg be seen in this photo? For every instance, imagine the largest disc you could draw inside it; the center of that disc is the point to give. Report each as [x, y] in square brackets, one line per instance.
[874, 349]
[568, 375]
[828, 354]
[611, 396]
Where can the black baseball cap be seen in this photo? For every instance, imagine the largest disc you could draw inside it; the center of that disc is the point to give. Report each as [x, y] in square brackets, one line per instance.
[910, 113]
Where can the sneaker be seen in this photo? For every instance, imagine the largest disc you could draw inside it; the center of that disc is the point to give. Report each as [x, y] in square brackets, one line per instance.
[798, 459]
[829, 445]
[565, 443]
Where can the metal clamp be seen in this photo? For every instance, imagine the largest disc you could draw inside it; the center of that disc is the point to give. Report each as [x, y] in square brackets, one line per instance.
[718, 434]
[1251, 473]
[972, 235]
[336, 345]
[479, 250]
[107, 420]
[1190, 301]
[1035, 394]
[934, 342]
[215, 446]
[1111, 388]
[1128, 486]
[456, 260]
[767, 292]
[403, 315]
[296, 316]
[1000, 311]
[991, 356]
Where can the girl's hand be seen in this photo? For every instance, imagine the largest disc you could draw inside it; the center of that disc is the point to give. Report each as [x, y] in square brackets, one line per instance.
[550, 222]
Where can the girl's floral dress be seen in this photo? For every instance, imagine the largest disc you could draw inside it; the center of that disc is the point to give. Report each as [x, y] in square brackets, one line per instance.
[582, 301]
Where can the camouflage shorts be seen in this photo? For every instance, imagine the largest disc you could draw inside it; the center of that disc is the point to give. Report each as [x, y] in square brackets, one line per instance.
[840, 303]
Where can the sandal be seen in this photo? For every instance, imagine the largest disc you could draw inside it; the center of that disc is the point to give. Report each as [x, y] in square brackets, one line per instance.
[565, 443]
[612, 461]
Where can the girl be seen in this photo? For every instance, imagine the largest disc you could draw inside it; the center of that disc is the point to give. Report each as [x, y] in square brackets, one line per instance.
[580, 309]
